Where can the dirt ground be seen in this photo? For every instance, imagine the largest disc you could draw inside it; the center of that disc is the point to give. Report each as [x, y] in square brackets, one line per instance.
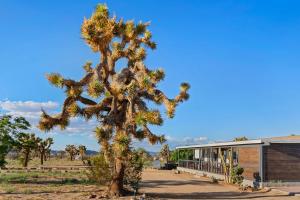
[156, 185]
[168, 185]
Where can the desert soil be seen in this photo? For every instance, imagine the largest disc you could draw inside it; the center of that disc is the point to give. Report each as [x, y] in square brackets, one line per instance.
[168, 185]
[156, 185]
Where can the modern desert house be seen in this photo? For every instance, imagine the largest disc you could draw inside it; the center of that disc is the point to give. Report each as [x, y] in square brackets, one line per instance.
[265, 161]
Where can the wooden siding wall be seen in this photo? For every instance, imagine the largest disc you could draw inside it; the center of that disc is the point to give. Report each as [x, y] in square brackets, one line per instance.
[282, 162]
[249, 159]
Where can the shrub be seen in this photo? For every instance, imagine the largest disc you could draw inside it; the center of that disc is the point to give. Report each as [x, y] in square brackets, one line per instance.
[236, 175]
[99, 171]
[133, 171]
[214, 179]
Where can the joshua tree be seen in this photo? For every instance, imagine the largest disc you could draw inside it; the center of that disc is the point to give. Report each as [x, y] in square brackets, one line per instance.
[165, 153]
[43, 146]
[117, 99]
[72, 151]
[82, 151]
[48, 154]
[26, 143]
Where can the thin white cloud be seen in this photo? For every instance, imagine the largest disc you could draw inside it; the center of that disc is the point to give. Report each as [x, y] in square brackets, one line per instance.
[27, 106]
[31, 110]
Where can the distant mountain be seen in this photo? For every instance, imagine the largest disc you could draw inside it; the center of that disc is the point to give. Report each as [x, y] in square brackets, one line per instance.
[91, 152]
[152, 153]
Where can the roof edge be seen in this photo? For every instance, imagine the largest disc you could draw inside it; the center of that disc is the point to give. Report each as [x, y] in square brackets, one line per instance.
[220, 144]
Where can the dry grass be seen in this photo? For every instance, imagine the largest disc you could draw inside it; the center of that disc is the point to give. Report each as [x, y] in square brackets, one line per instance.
[64, 184]
[52, 162]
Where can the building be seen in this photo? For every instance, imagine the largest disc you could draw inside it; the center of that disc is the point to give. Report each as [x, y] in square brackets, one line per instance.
[265, 161]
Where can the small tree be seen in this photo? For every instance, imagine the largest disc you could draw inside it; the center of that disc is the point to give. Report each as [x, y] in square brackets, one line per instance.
[9, 129]
[43, 146]
[118, 99]
[237, 175]
[99, 170]
[165, 153]
[82, 151]
[72, 151]
[26, 143]
[244, 138]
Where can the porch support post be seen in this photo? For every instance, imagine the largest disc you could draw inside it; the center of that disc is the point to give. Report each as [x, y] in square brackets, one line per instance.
[177, 154]
[199, 159]
[261, 163]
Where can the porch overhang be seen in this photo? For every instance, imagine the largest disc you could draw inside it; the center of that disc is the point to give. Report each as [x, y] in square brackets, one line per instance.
[223, 144]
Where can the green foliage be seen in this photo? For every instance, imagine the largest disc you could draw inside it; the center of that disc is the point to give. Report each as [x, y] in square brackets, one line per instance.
[165, 153]
[82, 151]
[244, 138]
[55, 79]
[145, 156]
[99, 171]
[72, 150]
[214, 179]
[236, 175]
[133, 171]
[182, 154]
[43, 146]
[25, 144]
[10, 128]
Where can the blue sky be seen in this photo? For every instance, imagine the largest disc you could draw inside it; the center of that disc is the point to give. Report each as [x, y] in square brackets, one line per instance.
[240, 57]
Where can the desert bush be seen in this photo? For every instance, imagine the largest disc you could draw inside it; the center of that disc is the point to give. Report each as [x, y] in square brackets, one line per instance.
[236, 175]
[99, 171]
[214, 179]
[182, 154]
[133, 171]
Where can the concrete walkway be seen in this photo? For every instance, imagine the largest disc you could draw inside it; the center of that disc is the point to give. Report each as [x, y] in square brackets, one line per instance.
[290, 190]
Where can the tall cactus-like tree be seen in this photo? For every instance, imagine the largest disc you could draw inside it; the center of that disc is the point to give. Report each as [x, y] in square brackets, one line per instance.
[43, 146]
[165, 153]
[26, 144]
[82, 151]
[72, 150]
[117, 99]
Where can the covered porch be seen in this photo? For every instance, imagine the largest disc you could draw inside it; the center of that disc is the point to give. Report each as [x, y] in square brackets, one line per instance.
[209, 159]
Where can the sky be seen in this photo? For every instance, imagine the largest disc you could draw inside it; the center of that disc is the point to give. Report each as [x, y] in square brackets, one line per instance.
[241, 59]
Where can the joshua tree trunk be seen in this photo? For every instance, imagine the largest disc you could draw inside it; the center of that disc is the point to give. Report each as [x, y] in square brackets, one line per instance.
[26, 159]
[42, 158]
[116, 187]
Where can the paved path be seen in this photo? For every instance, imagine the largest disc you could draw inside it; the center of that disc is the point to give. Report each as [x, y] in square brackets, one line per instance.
[168, 185]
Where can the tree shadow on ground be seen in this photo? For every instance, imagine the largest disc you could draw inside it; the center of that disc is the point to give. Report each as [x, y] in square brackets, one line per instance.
[160, 183]
[212, 195]
[199, 195]
[49, 192]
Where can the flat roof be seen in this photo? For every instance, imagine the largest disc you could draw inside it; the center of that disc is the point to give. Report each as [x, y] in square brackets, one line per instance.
[238, 143]
[220, 144]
